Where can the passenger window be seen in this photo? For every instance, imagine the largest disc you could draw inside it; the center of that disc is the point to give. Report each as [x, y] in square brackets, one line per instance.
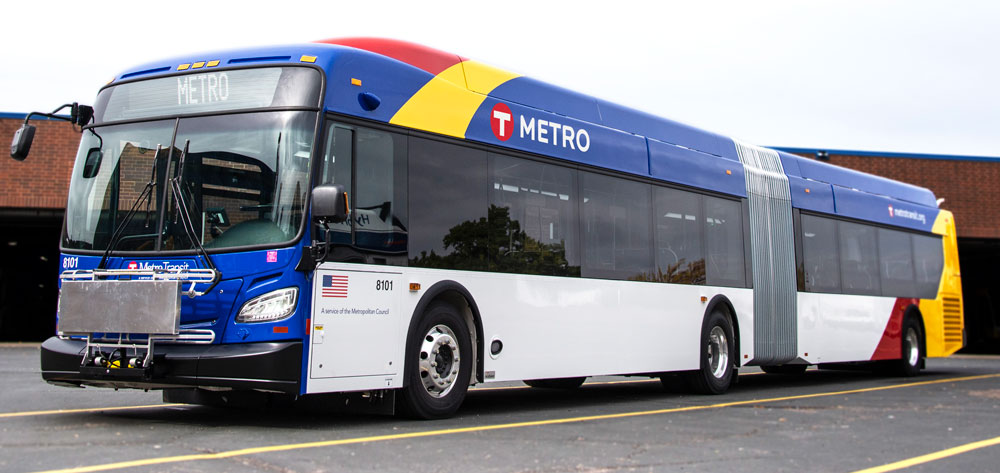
[680, 253]
[533, 218]
[819, 254]
[379, 202]
[928, 264]
[859, 259]
[448, 205]
[896, 262]
[616, 228]
[724, 258]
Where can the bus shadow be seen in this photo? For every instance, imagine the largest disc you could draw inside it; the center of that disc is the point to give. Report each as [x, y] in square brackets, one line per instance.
[514, 403]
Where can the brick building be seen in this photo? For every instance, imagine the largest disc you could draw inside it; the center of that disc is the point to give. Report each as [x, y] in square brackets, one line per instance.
[33, 197]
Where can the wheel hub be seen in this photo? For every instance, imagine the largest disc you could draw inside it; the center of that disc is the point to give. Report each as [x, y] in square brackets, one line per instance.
[912, 347]
[439, 360]
[718, 352]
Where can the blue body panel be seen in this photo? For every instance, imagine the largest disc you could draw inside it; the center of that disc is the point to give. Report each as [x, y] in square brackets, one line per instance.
[607, 148]
[245, 275]
[811, 195]
[693, 168]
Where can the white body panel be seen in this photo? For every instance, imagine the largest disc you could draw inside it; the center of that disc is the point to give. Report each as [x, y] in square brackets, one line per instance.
[550, 326]
[836, 327]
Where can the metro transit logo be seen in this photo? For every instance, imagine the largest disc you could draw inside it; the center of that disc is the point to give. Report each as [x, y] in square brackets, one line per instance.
[502, 121]
[546, 132]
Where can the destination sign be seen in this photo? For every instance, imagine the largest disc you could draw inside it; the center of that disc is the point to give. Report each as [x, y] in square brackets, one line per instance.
[210, 91]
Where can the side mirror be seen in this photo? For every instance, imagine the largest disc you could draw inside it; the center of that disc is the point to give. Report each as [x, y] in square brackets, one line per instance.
[329, 203]
[81, 114]
[21, 144]
[93, 163]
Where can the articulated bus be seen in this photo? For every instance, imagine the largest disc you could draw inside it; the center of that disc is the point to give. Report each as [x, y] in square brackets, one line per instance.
[389, 223]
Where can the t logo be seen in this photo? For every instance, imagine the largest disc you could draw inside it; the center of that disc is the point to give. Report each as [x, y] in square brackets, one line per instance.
[502, 122]
[133, 265]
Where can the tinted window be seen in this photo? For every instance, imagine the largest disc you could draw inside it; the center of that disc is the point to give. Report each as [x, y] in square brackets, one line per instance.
[616, 228]
[533, 218]
[448, 205]
[724, 261]
[380, 197]
[896, 262]
[928, 262]
[859, 259]
[680, 254]
[337, 170]
[819, 254]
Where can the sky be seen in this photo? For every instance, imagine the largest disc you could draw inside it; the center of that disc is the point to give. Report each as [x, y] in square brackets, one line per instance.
[888, 76]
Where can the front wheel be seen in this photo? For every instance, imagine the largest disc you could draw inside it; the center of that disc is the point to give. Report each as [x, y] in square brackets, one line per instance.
[717, 349]
[440, 365]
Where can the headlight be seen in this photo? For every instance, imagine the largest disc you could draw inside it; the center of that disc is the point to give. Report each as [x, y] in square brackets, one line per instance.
[275, 305]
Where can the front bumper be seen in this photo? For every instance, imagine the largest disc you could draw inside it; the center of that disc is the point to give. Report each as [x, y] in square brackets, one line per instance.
[271, 366]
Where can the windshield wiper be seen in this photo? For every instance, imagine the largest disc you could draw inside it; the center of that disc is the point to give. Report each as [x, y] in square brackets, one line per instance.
[182, 211]
[146, 194]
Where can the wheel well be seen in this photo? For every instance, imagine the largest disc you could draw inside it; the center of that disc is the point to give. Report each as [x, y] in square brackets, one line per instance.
[723, 304]
[455, 295]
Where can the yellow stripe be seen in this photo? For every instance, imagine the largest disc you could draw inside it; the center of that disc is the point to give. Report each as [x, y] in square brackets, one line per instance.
[486, 428]
[446, 104]
[932, 456]
[74, 411]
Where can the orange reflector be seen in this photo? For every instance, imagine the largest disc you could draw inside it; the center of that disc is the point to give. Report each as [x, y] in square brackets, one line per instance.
[308, 59]
[414, 286]
[746, 356]
[356, 82]
[728, 172]
[198, 65]
[213, 63]
[280, 330]
[307, 325]
[183, 67]
[807, 354]
[704, 299]
[807, 191]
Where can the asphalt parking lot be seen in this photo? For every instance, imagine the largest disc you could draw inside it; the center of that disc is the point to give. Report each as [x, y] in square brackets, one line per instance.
[947, 419]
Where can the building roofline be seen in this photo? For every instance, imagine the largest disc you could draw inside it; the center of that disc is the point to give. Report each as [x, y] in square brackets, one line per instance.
[20, 116]
[886, 154]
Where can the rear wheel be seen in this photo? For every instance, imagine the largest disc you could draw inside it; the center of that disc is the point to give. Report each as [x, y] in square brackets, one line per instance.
[912, 348]
[556, 383]
[717, 348]
[440, 365]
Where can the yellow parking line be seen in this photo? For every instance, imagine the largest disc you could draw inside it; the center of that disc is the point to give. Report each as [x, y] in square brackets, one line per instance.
[74, 411]
[485, 428]
[932, 456]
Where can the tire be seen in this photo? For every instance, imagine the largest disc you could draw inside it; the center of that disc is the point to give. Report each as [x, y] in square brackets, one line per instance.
[912, 348]
[439, 358]
[717, 347]
[556, 383]
[784, 369]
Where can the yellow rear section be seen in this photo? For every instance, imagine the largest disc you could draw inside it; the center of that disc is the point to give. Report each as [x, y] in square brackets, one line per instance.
[943, 318]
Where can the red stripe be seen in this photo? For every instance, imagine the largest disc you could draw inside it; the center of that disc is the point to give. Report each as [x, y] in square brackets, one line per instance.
[890, 347]
[429, 59]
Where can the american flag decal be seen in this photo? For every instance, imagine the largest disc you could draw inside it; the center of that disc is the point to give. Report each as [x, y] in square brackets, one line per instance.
[334, 285]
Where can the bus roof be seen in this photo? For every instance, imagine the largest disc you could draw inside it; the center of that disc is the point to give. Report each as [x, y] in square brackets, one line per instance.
[431, 90]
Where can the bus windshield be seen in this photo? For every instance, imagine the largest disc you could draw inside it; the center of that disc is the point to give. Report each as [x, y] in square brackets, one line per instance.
[243, 177]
